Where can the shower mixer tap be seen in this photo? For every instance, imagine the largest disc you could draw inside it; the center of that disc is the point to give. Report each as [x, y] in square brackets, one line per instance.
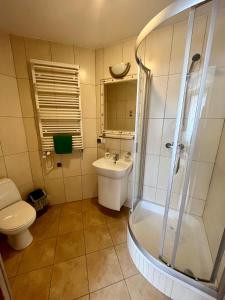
[170, 146]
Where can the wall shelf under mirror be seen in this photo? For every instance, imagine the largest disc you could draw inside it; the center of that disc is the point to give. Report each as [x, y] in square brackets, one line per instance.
[118, 107]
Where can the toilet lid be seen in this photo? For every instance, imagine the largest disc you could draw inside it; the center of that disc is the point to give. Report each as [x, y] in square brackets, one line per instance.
[16, 215]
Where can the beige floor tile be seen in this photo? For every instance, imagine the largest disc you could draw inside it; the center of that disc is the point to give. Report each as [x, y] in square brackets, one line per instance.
[11, 257]
[97, 237]
[126, 263]
[39, 254]
[83, 298]
[69, 280]
[118, 231]
[112, 216]
[33, 285]
[90, 204]
[70, 208]
[70, 223]
[69, 245]
[103, 269]
[93, 217]
[140, 289]
[116, 291]
[45, 227]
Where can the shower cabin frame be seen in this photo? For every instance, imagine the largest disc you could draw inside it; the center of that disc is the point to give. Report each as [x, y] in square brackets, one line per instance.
[172, 10]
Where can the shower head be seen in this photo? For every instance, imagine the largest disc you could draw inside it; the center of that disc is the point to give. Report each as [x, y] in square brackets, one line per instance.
[195, 58]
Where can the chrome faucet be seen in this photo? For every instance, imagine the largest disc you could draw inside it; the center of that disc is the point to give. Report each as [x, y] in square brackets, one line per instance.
[116, 157]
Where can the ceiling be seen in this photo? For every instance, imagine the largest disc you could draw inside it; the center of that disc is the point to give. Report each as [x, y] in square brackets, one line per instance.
[87, 23]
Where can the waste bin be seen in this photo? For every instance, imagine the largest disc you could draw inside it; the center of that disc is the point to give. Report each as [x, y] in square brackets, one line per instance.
[38, 199]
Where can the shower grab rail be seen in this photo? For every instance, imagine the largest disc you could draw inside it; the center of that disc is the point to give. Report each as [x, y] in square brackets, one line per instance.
[58, 103]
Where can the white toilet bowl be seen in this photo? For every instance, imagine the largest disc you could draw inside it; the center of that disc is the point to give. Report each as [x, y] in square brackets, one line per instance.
[16, 215]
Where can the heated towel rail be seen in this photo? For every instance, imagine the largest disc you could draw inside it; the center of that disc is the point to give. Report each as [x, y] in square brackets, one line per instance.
[58, 103]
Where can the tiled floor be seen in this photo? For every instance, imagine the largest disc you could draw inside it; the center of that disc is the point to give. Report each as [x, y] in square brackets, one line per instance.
[79, 252]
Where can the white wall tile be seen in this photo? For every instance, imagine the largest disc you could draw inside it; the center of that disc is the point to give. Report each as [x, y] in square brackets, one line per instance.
[85, 58]
[56, 172]
[9, 97]
[149, 193]
[154, 136]
[55, 191]
[214, 106]
[113, 145]
[26, 100]
[35, 163]
[19, 55]
[62, 53]
[31, 134]
[201, 173]
[99, 65]
[217, 59]
[89, 156]
[128, 54]
[195, 206]
[112, 56]
[88, 101]
[89, 132]
[37, 49]
[179, 39]
[3, 172]
[6, 58]
[12, 135]
[172, 96]
[157, 55]
[208, 138]
[73, 188]
[18, 168]
[158, 96]
[25, 189]
[89, 186]
[151, 170]
[71, 164]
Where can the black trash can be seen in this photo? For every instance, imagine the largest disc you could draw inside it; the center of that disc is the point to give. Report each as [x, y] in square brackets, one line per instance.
[38, 199]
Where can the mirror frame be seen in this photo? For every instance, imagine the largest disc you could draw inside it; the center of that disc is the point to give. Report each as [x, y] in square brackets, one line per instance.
[128, 135]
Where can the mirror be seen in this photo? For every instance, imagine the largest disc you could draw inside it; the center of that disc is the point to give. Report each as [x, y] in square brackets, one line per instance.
[120, 105]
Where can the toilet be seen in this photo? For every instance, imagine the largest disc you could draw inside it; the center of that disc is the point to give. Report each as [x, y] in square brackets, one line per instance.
[16, 215]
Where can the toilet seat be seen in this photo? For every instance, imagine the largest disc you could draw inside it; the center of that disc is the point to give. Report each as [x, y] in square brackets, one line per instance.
[16, 216]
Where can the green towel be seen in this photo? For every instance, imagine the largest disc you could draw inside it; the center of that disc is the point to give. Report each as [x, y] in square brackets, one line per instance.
[62, 144]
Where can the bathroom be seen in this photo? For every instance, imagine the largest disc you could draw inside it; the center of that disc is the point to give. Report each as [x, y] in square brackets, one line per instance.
[158, 231]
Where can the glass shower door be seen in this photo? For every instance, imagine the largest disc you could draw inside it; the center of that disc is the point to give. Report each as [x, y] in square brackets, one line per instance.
[184, 243]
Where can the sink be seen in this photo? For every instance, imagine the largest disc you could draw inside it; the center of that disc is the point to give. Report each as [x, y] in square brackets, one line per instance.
[112, 181]
[107, 167]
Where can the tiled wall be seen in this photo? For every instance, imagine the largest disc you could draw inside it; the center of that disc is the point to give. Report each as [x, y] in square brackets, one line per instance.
[14, 158]
[166, 67]
[76, 178]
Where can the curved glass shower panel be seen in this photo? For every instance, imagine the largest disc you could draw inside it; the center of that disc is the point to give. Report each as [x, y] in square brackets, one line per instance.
[200, 133]
[203, 222]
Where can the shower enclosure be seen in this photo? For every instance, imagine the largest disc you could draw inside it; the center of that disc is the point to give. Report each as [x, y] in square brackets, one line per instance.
[178, 198]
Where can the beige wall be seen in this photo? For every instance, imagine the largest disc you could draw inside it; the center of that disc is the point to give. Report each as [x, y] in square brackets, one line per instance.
[14, 158]
[19, 136]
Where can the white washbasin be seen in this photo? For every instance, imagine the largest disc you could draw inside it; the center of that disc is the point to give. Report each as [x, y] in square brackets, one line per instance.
[108, 168]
